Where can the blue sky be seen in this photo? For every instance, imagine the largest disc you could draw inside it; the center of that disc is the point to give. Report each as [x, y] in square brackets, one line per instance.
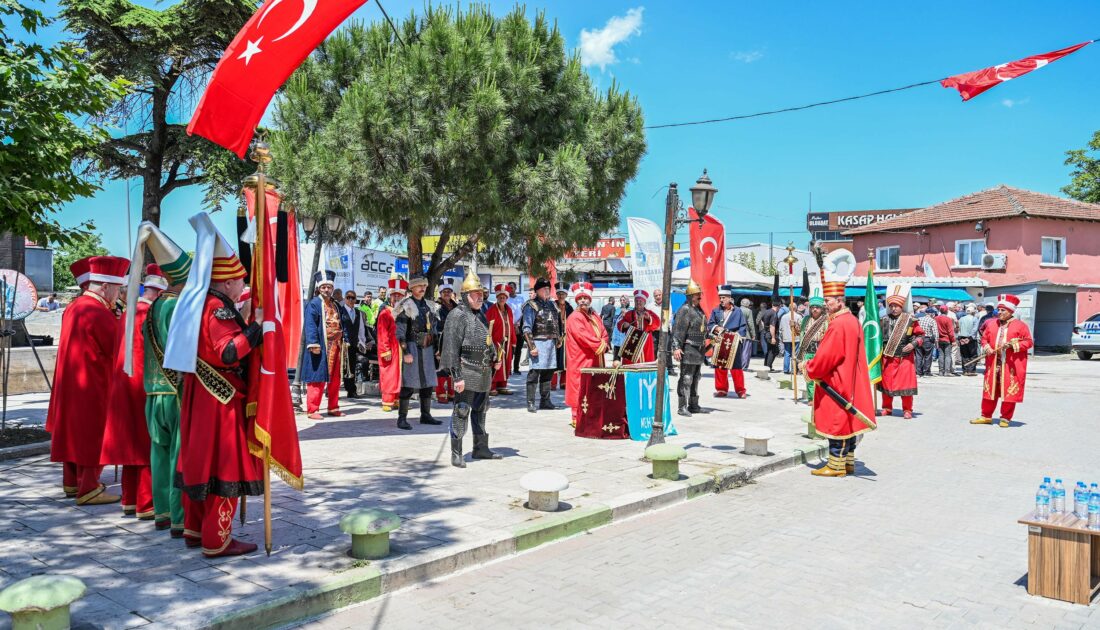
[698, 60]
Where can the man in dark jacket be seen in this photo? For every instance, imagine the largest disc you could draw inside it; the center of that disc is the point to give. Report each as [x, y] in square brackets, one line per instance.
[688, 338]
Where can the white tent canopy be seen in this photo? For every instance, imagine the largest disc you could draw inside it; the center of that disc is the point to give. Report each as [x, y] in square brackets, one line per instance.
[737, 275]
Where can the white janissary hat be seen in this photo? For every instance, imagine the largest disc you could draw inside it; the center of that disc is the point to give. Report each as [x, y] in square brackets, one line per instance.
[581, 288]
[641, 293]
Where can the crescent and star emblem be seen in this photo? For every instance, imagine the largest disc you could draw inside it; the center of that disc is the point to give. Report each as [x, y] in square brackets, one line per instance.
[252, 47]
[702, 250]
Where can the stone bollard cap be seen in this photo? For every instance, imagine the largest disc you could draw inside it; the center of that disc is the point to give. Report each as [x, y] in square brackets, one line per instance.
[757, 433]
[369, 521]
[41, 593]
[544, 481]
[665, 452]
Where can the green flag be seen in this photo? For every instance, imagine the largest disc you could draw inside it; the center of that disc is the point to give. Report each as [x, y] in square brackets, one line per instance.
[872, 332]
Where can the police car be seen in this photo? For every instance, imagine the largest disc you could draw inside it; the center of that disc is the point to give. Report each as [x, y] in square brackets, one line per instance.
[1086, 338]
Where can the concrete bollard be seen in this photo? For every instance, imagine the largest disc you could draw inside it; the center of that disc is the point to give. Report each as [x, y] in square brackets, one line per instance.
[41, 602]
[542, 488]
[666, 460]
[756, 441]
[370, 532]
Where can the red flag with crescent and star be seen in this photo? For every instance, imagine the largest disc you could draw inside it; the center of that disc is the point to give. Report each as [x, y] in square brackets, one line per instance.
[971, 84]
[272, 44]
[708, 257]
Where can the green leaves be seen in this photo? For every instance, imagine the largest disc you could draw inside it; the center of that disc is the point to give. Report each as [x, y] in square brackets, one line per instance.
[45, 93]
[478, 126]
[1085, 183]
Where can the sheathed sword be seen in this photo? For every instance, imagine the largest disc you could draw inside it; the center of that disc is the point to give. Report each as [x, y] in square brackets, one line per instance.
[845, 404]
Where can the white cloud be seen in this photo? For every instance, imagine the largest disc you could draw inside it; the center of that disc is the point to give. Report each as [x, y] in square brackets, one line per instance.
[598, 47]
[747, 56]
[1009, 103]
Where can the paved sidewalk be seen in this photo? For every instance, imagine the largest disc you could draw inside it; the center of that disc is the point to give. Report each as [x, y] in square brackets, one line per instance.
[924, 537]
[453, 518]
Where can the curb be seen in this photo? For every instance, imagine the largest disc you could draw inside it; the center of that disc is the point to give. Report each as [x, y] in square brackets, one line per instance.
[297, 603]
[24, 450]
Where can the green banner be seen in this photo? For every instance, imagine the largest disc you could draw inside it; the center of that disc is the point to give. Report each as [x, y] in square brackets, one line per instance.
[872, 332]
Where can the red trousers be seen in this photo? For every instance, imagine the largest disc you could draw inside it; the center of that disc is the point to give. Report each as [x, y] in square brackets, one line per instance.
[444, 389]
[989, 406]
[888, 403]
[210, 521]
[721, 381]
[331, 389]
[137, 490]
[554, 380]
[80, 479]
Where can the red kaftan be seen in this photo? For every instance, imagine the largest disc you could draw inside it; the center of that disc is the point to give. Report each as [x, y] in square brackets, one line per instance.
[841, 362]
[585, 344]
[899, 374]
[389, 356]
[651, 322]
[82, 377]
[214, 457]
[126, 436]
[1006, 372]
[503, 327]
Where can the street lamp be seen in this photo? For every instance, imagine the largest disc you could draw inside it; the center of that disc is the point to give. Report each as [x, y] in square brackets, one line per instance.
[702, 197]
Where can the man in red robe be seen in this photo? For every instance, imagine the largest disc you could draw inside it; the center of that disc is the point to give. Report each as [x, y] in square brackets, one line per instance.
[82, 376]
[1005, 343]
[901, 334]
[586, 343]
[215, 467]
[502, 326]
[646, 322]
[840, 363]
[389, 348]
[126, 437]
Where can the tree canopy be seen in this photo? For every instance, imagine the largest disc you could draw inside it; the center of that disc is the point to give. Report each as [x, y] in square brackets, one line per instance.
[79, 246]
[167, 56]
[477, 128]
[45, 92]
[1085, 182]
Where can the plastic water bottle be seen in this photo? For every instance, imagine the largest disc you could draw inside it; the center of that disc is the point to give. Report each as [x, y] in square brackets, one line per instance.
[1058, 498]
[1094, 510]
[1042, 503]
[1081, 500]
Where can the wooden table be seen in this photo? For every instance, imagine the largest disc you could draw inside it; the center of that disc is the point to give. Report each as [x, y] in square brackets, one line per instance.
[1063, 558]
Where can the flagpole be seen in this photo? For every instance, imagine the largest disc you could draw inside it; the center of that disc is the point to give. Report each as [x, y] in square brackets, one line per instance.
[867, 310]
[261, 157]
[790, 260]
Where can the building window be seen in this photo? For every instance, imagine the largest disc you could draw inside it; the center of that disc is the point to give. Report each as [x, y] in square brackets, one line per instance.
[969, 253]
[829, 236]
[1054, 250]
[888, 258]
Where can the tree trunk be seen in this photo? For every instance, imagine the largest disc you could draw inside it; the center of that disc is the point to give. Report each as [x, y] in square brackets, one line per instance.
[154, 160]
[415, 252]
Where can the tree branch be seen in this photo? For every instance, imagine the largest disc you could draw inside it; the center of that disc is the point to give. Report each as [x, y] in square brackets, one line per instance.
[180, 183]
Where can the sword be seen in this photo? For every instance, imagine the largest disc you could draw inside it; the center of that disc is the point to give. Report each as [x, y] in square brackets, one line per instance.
[845, 404]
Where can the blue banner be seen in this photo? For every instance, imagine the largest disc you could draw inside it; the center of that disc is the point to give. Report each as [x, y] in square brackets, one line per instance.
[641, 400]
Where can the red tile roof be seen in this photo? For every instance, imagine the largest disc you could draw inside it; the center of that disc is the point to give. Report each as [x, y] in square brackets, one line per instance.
[994, 203]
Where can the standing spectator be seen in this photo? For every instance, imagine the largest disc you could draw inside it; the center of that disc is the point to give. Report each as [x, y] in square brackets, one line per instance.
[787, 335]
[518, 358]
[48, 304]
[752, 325]
[607, 315]
[761, 329]
[945, 326]
[989, 316]
[369, 308]
[956, 354]
[769, 324]
[968, 340]
[355, 330]
[927, 322]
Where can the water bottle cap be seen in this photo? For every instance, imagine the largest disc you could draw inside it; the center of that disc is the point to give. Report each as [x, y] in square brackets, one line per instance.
[1058, 480]
[1047, 479]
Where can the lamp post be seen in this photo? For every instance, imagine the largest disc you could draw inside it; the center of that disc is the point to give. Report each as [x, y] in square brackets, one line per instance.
[332, 223]
[702, 196]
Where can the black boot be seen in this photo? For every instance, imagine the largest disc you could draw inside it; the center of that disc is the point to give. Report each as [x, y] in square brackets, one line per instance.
[544, 395]
[481, 448]
[456, 453]
[403, 414]
[693, 406]
[683, 410]
[426, 408]
[531, 387]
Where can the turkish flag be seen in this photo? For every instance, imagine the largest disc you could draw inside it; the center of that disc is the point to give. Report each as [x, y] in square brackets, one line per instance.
[971, 84]
[270, 409]
[272, 44]
[708, 257]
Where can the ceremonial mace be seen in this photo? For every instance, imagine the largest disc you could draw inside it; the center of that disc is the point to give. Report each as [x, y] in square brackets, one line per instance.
[866, 311]
[791, 260]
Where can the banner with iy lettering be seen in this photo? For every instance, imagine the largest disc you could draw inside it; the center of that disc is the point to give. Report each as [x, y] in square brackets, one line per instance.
[641, 403]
